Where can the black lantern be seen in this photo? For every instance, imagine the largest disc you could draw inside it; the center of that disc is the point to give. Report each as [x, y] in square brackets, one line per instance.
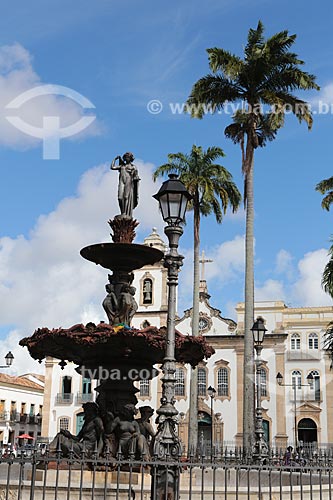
[309, 378]
[279, 378]
[173, 198]
[9, 359]
[211, 392]
[258, 330]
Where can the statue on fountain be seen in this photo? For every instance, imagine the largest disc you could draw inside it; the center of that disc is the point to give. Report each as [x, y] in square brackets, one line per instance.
[88, 440]
[120, 304]
[128, 195]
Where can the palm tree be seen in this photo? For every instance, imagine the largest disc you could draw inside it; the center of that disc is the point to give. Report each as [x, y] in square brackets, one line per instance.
[326, 187]
[327, 278]
[213, 190]
[263, 83]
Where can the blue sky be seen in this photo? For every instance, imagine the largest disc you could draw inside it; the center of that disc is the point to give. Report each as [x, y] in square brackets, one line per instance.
[121, 55]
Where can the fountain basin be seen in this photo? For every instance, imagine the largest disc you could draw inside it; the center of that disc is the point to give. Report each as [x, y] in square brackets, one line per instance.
[121, 256]
[103, 345]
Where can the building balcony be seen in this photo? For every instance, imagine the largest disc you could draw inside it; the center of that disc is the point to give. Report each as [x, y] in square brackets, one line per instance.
[4, 416]
[298, 355]
[64, 398]
[14, 416]
[306, 396]
[84, 398]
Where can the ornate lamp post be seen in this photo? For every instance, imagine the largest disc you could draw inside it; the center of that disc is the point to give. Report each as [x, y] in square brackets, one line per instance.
[260, 450]
[9, 358]
[172, 198]
[211, 393]
[279, 379]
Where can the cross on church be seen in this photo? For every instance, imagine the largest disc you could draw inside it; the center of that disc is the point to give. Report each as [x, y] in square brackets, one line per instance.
[203, 261]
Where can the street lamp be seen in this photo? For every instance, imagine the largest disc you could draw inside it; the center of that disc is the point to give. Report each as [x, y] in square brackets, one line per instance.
[279, 379]
[260, 449]
[172, 198]
[211, 393]
[9, 358]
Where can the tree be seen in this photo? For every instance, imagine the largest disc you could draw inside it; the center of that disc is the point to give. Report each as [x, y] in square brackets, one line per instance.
[263, 82]
[213, 190]
[326, 187]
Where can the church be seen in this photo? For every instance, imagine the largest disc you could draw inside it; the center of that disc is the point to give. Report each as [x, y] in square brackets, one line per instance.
[294, 411]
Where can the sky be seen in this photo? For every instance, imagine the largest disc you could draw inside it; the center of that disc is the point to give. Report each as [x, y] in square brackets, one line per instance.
[134, 62]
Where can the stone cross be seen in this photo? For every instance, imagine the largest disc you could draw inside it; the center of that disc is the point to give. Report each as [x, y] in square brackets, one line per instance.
[203, 261]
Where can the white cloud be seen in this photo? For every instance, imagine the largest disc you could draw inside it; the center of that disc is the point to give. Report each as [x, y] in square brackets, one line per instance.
[17, 75]
[227, 266]
[325, 95]
[307, 290]
[284, 264]
[43, 279]
[270, 290]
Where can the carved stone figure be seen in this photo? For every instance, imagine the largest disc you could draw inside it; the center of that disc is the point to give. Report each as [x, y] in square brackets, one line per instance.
[131, 443]
[128, 183]
[146, 429]
[91, 434]
[120, 304]
[128, 304]
[110, 303]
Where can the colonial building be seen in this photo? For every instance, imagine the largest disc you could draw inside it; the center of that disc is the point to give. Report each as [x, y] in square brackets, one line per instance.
[21, 406]
[292, 347]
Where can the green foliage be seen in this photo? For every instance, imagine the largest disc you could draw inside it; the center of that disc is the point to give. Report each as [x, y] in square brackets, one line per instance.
[209, 183]
[326, 187]
[327, 278]
[266, 77]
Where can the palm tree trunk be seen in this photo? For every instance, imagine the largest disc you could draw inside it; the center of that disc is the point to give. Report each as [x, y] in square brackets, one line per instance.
[193, 411]
[248, 374]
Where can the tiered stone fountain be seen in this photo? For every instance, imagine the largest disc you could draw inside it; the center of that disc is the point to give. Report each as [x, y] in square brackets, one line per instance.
[116, 348]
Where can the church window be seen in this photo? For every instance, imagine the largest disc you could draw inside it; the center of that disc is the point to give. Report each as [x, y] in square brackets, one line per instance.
[147, 291]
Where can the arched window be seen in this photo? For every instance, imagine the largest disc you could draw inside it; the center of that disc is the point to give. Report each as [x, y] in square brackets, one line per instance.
[263, 382]
[295, 341]
[313, 341]
[145, 387]
[315, 385]
[296, 379]
[222, 382]
[180, 382]
[64, 423]
[202, 382]
[147, 291]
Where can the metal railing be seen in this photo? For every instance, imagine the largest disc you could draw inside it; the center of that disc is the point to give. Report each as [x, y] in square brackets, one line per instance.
[84, 398]
[64, 398]
[298, 355]
[228, 475]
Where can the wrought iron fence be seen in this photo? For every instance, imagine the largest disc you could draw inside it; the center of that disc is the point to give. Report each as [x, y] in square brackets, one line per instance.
[227, 475]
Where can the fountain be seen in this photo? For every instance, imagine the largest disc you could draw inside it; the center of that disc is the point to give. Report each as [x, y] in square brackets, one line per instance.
[115, 353]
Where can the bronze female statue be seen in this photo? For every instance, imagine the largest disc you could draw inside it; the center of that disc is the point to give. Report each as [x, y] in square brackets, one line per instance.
[128, 183]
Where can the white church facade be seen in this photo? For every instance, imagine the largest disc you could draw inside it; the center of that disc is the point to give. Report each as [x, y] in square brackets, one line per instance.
[292, 347]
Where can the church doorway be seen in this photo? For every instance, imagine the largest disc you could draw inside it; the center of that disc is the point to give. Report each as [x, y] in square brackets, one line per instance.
[204, 432]
[307, 431]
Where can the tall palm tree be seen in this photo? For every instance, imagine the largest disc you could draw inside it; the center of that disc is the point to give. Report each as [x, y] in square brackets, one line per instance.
[326, 187]
[327, 278]
[213, 190]
[263, 82]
